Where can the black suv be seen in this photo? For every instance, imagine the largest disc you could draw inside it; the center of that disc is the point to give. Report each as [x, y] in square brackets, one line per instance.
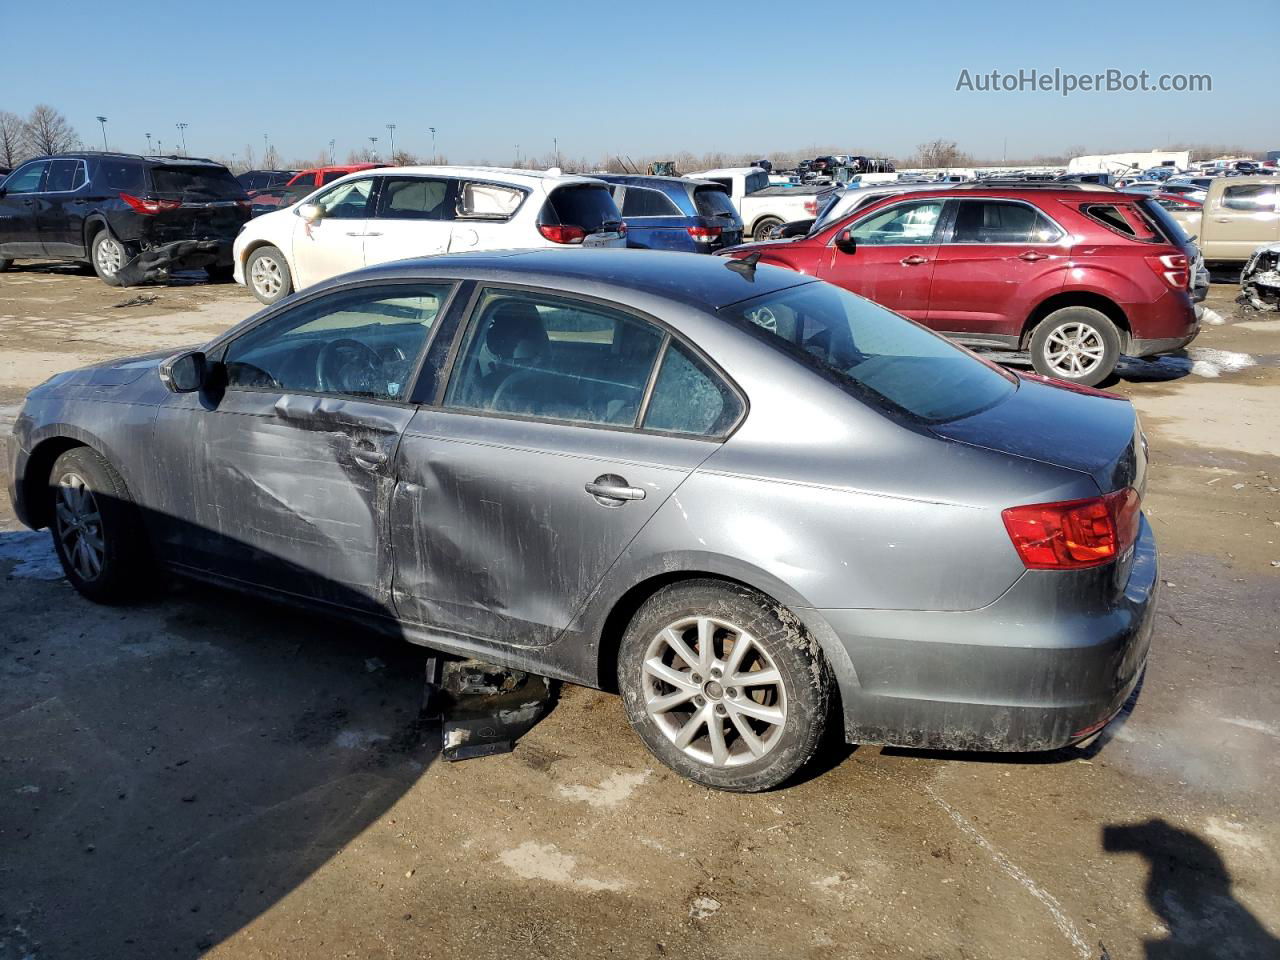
[133, 218]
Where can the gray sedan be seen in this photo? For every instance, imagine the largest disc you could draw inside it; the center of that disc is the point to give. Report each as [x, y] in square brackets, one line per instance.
[749, 501]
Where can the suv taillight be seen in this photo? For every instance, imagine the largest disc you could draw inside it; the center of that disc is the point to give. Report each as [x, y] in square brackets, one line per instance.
[811, 206]
[557, 233]
[1174, 268]
[706, 234]
[148, 206]
[1075, 534]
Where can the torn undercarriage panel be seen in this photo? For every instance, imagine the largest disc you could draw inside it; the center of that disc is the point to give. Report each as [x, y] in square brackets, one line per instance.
[483, 708]
[1260, 279]
[155, 262]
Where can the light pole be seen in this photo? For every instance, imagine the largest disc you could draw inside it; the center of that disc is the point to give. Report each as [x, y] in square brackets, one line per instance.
[555, 142]
[103, 121]
[391, 128]
[517, 155]
[148, 144]
[266, 148]
[374, 141]
[182, 132]
[332, 161]
[433, 143]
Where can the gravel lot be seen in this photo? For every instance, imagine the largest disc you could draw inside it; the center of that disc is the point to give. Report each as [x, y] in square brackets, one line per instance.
[210, 775]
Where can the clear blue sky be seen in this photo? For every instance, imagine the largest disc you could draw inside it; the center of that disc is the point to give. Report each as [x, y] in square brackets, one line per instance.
[634, 78]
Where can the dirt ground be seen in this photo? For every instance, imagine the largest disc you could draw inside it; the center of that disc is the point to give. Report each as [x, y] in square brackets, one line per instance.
[206, 775]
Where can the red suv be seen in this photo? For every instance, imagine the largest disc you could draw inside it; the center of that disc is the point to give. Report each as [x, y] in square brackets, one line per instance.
[1075, 277]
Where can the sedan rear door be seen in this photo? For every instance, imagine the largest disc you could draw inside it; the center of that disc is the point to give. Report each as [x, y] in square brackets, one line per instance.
[547, 455]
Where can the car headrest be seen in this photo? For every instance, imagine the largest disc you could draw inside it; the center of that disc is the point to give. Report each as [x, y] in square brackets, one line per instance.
[516, 332]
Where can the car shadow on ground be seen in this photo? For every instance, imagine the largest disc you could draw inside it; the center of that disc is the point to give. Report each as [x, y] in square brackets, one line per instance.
[171, 770]
[64, 268]
[1189, 889]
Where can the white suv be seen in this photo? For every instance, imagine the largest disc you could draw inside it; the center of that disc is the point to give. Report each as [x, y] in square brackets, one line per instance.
[396, 212]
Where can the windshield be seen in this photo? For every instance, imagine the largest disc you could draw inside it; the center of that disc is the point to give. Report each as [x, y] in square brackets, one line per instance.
[873, 354]
[196, 183]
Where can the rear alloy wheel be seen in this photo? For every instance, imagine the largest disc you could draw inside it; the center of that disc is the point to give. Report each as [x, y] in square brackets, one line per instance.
[763, 230]
[108, 257]
[723, 685]
[96, 531]
[1077, 344]
[268, 275]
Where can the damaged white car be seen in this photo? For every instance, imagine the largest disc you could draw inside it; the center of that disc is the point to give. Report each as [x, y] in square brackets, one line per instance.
[1260, 279]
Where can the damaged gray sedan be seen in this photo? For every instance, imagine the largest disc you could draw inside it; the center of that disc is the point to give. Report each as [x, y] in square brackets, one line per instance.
[749, 501]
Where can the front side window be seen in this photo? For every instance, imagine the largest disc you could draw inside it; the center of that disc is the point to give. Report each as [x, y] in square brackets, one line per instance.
[999, 221]
[643, 202]
[362, 343]
[26, 179]
[689, 398]
[903, 223]
[346, 201]
[64, 176]
[873, 354]
[1250, 198]
[542, 356]
[414, 198]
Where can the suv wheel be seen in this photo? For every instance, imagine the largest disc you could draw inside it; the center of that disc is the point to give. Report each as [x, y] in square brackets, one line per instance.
[108, 257]
[96, 531]
[267, 273]
[723, 685]
[1077, 344]
[5, 264]
[763, 230]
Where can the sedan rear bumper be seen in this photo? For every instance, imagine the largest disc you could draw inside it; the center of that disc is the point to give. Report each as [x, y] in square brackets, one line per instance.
[1042, 667]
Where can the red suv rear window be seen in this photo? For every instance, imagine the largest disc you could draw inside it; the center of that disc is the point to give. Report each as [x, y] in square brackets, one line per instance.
[1126, 219]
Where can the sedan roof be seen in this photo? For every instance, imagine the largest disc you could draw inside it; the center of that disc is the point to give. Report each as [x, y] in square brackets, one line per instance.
[692, 279]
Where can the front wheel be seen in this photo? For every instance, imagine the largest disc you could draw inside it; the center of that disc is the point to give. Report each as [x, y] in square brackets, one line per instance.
[1076, 344]
[96, 530]
[723, 685]
[764, 229]
[268, 276]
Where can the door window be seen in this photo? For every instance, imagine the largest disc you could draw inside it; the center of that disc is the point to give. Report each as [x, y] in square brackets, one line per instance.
[1000, 221]
[642, 202]
[689, 398]
[362, 343]
[346, 201]
[1250, 198]
[903, 223]
[414, 198]
[64, 176]
[540, 356]
[26, 179]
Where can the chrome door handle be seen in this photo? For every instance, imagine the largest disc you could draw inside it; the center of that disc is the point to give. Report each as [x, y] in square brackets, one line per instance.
[913, 260]
[611, 490]
[1031, 256]
[371, 234]
[351, 234]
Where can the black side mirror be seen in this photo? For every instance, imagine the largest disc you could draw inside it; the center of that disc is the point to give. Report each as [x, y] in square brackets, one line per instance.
[845, 242]
[183, 373]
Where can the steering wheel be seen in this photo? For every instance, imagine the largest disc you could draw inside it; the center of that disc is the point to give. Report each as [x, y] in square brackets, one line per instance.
[346, 365]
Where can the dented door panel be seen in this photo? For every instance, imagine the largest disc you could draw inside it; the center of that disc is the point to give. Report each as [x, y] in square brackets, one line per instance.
[493, 531]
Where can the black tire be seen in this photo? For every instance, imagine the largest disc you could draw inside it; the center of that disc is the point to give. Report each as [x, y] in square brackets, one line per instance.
[1096, 336]
[763, 230]
[122, 572]
[105, 251]
[5, 264]
[801, 695]
[258, 265]
[220, 273]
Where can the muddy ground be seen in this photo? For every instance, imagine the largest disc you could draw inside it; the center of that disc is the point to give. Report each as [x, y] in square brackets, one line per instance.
[209, 775]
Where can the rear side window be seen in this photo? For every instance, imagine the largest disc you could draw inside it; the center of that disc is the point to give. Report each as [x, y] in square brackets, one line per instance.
[1000, 221]
[329, 177]
[1124, 219]
[122, 175]
[414, 198]
[64, 176]
[588, 206]
[489, 201]
[710, 202]
[196, 183]
[756, 181]
[643, 202]
[1250, 198]
[690, 398]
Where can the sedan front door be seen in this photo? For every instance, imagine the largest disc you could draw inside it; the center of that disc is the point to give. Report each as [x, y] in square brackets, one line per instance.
[333, 244]
[520, 491]
[893, 261]
[282, 477]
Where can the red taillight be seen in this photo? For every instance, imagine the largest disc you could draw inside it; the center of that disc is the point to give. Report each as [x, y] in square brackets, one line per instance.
[148, 206]
[1075, 534]
[1174, 268]
[706, 234]
[562, 234]
[811, 206]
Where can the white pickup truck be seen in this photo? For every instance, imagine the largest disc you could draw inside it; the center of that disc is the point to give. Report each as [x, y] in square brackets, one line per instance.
[761, 206]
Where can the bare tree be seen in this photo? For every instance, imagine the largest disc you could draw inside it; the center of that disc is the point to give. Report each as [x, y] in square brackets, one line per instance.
[941, 153]
[248, 156]
[47, 131]
[12, 139]
[271, 159]
[403, 158]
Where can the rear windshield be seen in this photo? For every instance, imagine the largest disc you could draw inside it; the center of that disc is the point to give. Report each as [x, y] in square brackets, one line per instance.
[589, 206]
[873, 354]
[196, 183]
[713, 202]
[1126, 219]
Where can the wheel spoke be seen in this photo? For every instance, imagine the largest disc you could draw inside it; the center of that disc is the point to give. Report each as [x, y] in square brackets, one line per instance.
[746, 733]
[64, 514]
[715, 733]
[664, 702]
[752, 709]
[741, 647]
[676, 643]
[756, 678]
[678, 679]
[686, 733]
[706, 653]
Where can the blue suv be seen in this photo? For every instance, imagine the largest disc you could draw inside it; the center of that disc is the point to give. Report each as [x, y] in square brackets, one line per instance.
[675, 213]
